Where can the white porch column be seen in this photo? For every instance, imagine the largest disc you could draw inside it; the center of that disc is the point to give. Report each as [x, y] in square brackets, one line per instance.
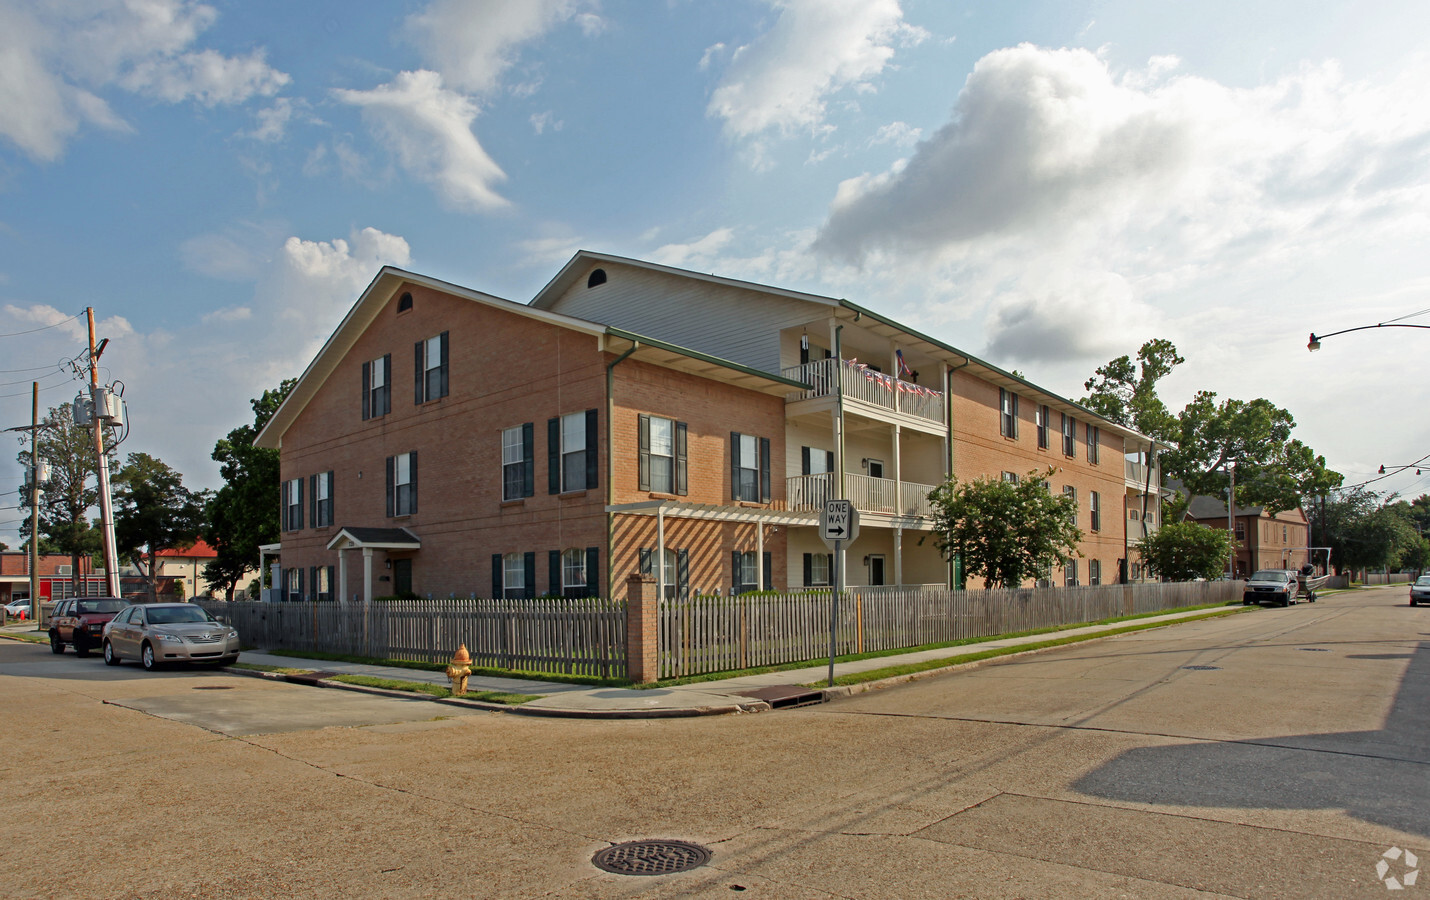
[342, 575]
[898, 472]
[659, 561]
[367, 574]
[898, 555]
[760, 556]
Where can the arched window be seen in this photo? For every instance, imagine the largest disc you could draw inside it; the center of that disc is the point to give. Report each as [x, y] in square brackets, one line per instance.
[598, 276]
[404, 303]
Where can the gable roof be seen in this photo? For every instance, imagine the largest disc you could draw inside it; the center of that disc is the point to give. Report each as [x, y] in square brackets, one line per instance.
[577, 267]
[1203, 506]
[199, 549]
[389, 280]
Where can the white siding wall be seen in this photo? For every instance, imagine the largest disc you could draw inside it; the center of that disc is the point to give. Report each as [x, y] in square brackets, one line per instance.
[738, 325]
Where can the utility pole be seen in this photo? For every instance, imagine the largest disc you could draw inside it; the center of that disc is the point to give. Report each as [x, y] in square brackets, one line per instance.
[34, 502]
[106, 506]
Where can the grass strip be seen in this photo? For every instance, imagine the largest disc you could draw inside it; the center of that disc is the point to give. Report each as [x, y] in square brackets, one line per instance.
[945, 662]
[278, 670]
[435, 690]
[483, 671]
[27, 638]
[900, 651]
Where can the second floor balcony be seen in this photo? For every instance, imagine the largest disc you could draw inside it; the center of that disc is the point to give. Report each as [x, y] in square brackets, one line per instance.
[874, 495]
[864, 386]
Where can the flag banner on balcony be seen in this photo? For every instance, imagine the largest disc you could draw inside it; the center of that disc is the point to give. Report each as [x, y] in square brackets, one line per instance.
[890, 382]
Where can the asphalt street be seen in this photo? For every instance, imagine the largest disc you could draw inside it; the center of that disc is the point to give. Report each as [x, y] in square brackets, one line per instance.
[1281, 753]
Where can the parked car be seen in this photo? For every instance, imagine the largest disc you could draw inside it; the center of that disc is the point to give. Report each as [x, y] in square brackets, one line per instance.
[80, 621]
[156, 633]
[18, 609]
[1420, 591]
[1271, 585]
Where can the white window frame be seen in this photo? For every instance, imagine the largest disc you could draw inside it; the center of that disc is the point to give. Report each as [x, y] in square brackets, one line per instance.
[402, 478]
[662, 455]
[1069, 436]
[1094, 505]
[1007, 413]
[818, 578]
[1094, 443]
[573, 571]
[573, 452]
[1070, 573]
[1094, 572]
[513, 461]
[513, 576]
[293, 505]
[749, 474]
[379, 387]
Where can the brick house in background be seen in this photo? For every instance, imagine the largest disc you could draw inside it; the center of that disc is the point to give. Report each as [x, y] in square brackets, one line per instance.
[1264, 540]
[635, 417]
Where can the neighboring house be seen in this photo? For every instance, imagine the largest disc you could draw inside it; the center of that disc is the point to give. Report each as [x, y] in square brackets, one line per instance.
[186, 565]
[57, 581]
[639, 418]
[1264, 541]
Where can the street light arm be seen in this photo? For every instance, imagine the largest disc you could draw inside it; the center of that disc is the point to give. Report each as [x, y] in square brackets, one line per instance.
[1315, 342]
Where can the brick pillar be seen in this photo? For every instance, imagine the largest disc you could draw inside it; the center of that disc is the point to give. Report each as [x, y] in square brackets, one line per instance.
[642, 635]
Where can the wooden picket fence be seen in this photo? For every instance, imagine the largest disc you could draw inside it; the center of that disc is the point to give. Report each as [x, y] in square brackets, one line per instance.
[714, 634]
[585, 636]
[698, 635]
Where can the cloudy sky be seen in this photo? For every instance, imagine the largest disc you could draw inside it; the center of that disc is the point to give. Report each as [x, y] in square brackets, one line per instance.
[1045, 184]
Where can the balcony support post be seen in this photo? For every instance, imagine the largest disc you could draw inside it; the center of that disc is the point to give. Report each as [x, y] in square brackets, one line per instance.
[898, 555]
[898, 471]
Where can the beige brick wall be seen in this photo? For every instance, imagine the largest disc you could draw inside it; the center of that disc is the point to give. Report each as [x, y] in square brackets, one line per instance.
[505, 370]
[980, 450]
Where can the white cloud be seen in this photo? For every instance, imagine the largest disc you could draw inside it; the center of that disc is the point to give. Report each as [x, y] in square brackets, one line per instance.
[1060, 188]
[544, 120]
[697, 252]
[900, 134]
[273, 121]
[473, 42]
[56, 57]
[429, 128]
[780, 82]
[228, 315]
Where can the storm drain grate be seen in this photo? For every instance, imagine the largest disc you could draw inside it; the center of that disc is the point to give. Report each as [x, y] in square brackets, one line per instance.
[214, 687]
[1315, 649]
[651, 857]
[1202, 668]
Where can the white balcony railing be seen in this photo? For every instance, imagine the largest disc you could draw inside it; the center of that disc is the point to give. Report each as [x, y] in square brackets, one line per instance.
[805, 493]
[873, 389]
[1137, 474]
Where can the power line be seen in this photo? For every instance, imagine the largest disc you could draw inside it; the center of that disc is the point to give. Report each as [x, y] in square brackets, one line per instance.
[45, 328]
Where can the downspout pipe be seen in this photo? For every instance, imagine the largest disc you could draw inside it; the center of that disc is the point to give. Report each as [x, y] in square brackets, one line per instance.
[611, 466]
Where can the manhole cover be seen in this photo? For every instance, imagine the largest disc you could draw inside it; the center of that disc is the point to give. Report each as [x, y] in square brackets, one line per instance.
[1202, 668]
[651, 857]
[1315, 649]
[214, 687]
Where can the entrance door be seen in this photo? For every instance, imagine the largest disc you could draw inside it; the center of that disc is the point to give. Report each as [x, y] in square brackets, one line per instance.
[401, 576]
[876, 568]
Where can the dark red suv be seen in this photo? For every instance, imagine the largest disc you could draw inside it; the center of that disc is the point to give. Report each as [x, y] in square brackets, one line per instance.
[80, 621]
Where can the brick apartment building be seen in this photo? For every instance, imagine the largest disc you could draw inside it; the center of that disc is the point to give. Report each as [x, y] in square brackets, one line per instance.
[1264, 540]
[637, 417]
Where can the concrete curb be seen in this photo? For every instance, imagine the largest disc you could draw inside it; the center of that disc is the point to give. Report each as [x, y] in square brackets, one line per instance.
[849, 690]
[753, 706]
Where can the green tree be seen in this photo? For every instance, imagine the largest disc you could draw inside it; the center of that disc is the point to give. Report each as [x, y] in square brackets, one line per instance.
[153, 511]
[1127, 393]
[244, 513]
[1366, 532]
[72, 489]
[1005, 532]
[1183, 551]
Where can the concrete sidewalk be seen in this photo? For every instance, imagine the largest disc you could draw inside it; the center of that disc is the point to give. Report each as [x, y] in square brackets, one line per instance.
[730, 695]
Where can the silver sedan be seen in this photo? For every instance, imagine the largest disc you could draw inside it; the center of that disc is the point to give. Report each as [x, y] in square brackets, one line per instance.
[157, 633]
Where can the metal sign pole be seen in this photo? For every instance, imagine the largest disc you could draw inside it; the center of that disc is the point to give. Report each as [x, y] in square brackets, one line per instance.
[834, 605]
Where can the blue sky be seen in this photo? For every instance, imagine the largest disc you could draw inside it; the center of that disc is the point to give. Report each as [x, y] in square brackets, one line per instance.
[1043, 184]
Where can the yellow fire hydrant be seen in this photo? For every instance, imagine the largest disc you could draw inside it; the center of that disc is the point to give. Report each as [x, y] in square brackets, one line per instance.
[458, 670]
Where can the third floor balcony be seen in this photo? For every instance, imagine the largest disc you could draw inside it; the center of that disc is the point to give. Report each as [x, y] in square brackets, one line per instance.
[873, 390]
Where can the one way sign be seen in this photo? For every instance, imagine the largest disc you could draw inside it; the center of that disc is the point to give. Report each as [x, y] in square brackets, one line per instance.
[838, 521]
